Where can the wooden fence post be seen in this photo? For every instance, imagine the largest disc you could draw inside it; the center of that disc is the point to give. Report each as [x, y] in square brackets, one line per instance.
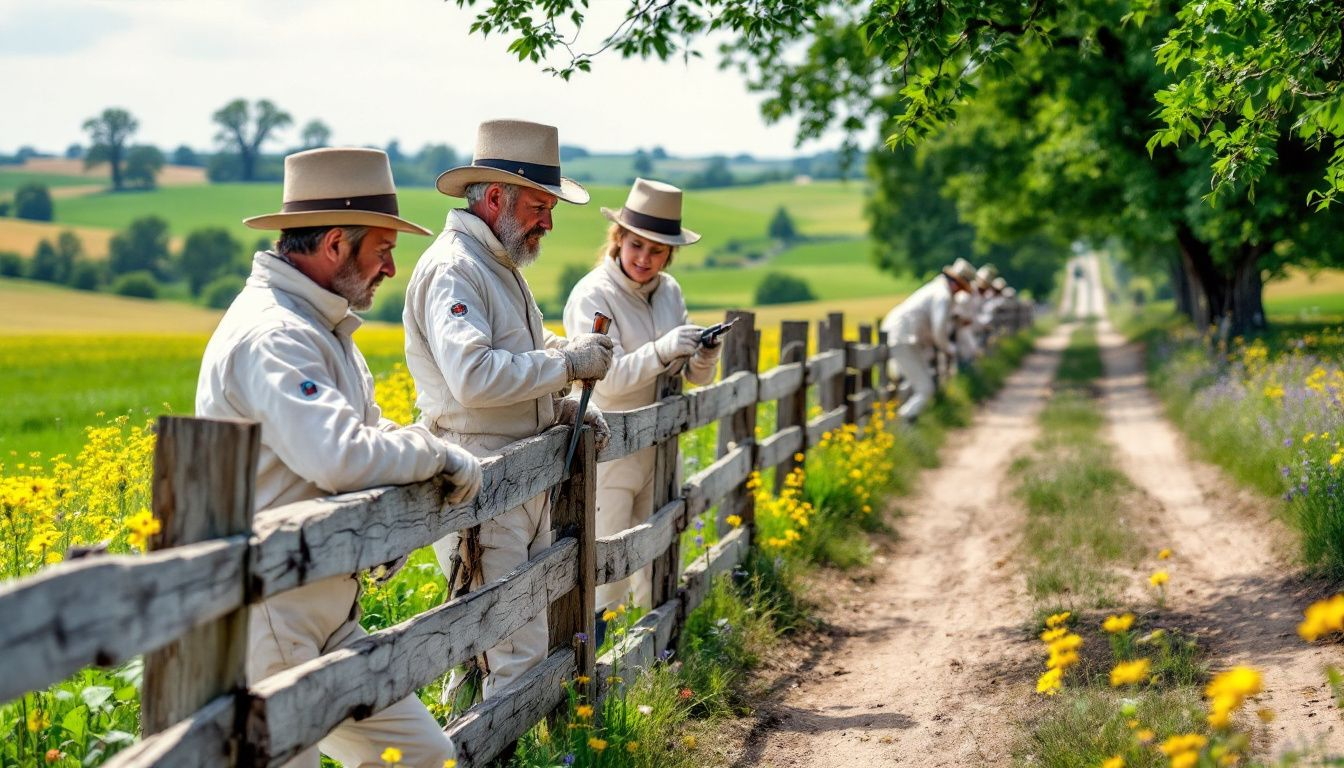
[831, 335]
[791, 410]
[204, 481]
[666, 473]
[741, 351]
[884, 393]
[862, 378]
[575, 516]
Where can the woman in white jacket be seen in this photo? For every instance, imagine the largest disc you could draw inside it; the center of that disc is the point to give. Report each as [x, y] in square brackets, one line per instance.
[652, 335]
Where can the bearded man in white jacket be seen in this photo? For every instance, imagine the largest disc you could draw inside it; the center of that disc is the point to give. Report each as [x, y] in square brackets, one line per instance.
[283, 356]
[487, 372]
[920, 328]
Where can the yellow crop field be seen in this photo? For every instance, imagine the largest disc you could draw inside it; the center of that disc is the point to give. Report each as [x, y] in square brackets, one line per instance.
[21, 237]
[37, 308]
[1303, 283]
[170, 176]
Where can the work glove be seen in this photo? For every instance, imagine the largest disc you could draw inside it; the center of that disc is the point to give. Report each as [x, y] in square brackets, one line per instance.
[588, 356]
[708, 356]
[567, 408]
[464, 472]
[681, 341]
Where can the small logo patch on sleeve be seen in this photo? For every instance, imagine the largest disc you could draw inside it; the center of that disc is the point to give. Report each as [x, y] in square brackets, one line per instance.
[308, 389]
[458, 309]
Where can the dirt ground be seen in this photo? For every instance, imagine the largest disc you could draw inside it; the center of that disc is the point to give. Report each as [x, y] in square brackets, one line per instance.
[927, 660]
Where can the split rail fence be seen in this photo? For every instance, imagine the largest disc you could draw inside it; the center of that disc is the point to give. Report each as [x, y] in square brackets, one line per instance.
[184, 604]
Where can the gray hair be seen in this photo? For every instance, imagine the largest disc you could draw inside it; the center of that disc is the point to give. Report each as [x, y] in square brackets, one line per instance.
[475, 192]
[304, 240]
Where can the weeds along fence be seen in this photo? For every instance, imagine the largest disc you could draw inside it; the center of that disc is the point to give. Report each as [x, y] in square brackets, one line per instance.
[184, 604]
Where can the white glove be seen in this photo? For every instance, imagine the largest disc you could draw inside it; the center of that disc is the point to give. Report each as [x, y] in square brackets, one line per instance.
[678, 342]
[565, 411]
[588, 356]
[708, 356]
[464, 472]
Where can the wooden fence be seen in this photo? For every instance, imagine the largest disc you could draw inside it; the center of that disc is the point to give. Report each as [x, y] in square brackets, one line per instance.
[184, 604]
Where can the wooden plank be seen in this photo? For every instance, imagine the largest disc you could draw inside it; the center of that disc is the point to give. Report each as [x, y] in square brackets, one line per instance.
[791, 411]
[300, 543]
[824, 423]
[861, 406]
[575, 516]
[831, 390]
[862, 355]
[205, 739]
[640, 648]
[721, 558]
[105, 610]
[825, 365]
[621, 555]
[296, 708]
[783, 379]
[779, 447]
[709, 484]
[741, 352]
[666, 570]
[487, 728]
[205, 472]
[716, 401]
[640, 428]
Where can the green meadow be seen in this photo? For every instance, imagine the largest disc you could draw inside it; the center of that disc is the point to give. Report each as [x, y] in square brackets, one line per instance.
[12, 180]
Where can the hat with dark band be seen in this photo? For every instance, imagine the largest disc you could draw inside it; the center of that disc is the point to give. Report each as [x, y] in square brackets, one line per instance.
[337, 187]
[515, 152]
[961, 271]
[653, 211]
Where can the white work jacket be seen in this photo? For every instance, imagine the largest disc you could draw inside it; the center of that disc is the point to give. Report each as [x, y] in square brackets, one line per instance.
[282, 356]
[640, 313]
[924, 318]
[485, 368]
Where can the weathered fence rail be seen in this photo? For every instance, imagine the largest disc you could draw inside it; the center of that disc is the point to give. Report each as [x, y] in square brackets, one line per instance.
[184, 605]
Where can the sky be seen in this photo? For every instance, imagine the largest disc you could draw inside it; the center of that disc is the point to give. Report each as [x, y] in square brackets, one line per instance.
[372, 70]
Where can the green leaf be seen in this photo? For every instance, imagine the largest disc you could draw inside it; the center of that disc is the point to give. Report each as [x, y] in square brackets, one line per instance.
[96, 696]
[75, 722]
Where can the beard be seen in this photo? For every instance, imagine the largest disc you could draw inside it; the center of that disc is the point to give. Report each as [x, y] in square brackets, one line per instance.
[351, 286]
[514, 238]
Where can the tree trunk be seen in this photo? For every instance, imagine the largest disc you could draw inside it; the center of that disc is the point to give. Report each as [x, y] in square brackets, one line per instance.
[1246, 307]
[248, 162]
[114, 160]
[1180, 287]
[1209, 286]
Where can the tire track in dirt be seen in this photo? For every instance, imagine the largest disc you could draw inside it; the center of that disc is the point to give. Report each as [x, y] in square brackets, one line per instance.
[931, 668]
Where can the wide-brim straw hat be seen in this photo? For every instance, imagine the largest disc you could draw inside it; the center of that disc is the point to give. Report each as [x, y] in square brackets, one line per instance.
[653, 210]
[337, 187]
[986, 275]
[514, 152]
[999, 284]
[961, 271]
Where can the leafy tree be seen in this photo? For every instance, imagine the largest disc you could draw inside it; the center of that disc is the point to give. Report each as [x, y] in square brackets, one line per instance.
[5, 206]
[659, 153]
[108, 136]
[139, 284]
[74, 152]
[87, 275]
[781, 227]
[244, 129]
[207, 254]
[715, 174]
[315, 134]
[142, 247]
[779, 288]
[643, 163]
[32, 201]
[570, 152]
[569, 277]
[69, 250]
[11, 264]
[185, 155]
[143, 164]
[393, 150]
[221, 291]
[45, 264]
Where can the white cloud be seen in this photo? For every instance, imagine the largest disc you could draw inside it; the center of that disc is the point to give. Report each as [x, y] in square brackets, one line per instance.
[373, 71]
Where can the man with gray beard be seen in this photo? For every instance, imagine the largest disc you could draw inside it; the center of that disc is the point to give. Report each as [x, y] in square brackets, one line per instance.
[487, 372]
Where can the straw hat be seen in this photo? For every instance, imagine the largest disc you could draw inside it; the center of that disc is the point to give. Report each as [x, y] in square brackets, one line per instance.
[999, 284]
[653, 210]
[337, 187]
[961, 271]
[985, 275]
[515, 152]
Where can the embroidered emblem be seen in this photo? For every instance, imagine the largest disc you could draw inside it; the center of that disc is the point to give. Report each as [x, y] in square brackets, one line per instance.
[458, 309]
[308, 389]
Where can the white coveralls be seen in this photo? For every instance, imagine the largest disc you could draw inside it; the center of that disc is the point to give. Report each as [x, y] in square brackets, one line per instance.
[282, 356]
[641, 313]
[966, 333]
[486, 373]
[917, 327]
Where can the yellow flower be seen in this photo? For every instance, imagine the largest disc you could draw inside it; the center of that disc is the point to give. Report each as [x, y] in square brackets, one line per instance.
[583, 711]
[688, 740]
[1336, 458]
[1055, 620]
[1158, 578]
[608, 615]
[1050, 682]
[582, 679]
[596, 744]
[450, 763]
[1114, 624]
[632, 747]
[1238, 682]
[1164, 554]
[799, 457]
[1185, 760]
[733, 520]
[1189, 742]
[38, 720]
[1130, 672]
[1113, 762]
[1274, 392]
[1145, 735]
[391, 756]
[1051, 635]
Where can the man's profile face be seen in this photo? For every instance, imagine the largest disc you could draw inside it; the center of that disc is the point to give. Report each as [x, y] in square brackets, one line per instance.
[364, 269]
[532, 211]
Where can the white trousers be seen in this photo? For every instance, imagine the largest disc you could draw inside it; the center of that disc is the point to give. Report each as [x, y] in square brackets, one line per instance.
[302, 624]
[911, 361]
[508, 541]
[624, 500]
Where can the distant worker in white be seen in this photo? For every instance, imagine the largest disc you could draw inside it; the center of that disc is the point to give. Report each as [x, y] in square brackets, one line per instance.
[989, 309]
[283, 356]
[486, 371]
[920, 328]
[971, 328]
[652, 334]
